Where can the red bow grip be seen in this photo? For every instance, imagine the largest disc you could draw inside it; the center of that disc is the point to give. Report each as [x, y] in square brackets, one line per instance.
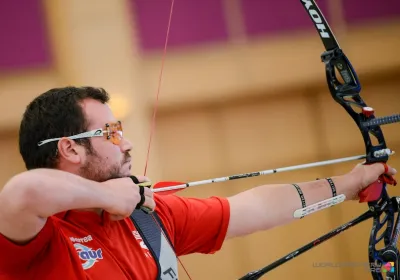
[373, 192]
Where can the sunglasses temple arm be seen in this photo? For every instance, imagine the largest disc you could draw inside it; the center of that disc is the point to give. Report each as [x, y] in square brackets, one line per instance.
[78, 136]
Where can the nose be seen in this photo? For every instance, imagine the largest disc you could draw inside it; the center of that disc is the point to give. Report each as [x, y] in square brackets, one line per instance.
[125, 145]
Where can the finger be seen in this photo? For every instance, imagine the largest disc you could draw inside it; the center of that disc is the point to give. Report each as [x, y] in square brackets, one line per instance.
[148, 193]
[142, 179]
[147, 185]
[145, 195]
[391, 170]
[147, 210]
[379, 167]
[149, 205]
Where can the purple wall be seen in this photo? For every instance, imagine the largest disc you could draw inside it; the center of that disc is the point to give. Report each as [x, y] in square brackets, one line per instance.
[267, 17]
[357, 11]
[195, 22]
[24, 40]
[23, 35]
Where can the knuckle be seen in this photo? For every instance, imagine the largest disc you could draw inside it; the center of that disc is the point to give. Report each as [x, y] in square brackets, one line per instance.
[143, 178]
[150, 203]
[148, 192]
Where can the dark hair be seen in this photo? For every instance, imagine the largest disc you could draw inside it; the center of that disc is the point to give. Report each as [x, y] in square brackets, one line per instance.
[55, 113]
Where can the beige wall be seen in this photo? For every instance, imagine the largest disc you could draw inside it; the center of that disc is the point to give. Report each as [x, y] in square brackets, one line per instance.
[11, 162]
[225, 110]
[251, 135]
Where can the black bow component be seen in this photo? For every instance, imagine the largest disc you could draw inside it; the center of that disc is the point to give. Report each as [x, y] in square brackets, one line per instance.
[381, 207]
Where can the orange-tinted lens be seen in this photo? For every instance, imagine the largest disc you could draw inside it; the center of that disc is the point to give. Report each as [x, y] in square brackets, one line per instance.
[115, 133]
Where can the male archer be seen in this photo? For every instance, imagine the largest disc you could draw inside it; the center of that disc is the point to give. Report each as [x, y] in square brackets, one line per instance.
[67, 216]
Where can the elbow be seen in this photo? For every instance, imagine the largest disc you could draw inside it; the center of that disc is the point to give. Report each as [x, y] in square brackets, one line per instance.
[20, 192]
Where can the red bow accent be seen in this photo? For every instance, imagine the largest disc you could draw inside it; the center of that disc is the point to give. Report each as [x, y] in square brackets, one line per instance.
[373, 191]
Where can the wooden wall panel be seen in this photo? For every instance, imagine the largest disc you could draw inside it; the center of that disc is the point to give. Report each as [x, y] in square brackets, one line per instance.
[261, 133]
[198, 142]
[11, 162]
[225, 139]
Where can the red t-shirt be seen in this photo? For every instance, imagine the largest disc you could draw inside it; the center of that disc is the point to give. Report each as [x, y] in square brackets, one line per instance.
[77, 245]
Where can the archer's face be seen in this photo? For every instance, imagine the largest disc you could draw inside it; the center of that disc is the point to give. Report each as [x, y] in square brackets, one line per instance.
[108, 160]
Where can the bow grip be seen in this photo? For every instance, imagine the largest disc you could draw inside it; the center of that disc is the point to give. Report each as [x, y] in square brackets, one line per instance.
[372, 192]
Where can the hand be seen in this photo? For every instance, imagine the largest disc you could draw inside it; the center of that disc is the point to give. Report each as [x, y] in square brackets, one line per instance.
[369, 174]
[124, 196]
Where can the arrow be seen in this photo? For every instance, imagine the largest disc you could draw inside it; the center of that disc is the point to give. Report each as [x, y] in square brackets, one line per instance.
[171, 187]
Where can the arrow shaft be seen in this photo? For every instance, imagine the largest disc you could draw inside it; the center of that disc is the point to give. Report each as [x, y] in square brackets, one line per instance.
[260, 173]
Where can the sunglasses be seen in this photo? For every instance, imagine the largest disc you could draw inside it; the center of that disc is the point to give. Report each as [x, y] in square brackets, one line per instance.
[112, 131]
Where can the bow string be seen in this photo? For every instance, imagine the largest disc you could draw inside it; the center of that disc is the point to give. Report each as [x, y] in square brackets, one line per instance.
[153, 122]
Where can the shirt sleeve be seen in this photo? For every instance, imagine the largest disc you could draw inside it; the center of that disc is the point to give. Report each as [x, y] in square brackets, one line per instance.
[14, 256]
[195, 225]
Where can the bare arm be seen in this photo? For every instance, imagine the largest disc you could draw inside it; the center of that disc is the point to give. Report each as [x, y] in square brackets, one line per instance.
[267, 206]
[30, 197]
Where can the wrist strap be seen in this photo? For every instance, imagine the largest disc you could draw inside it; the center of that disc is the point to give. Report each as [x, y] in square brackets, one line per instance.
[332, 185]
[303, 201]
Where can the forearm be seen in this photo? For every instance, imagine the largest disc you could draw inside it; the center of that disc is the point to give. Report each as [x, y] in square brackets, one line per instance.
[45, 192]
[268, 206]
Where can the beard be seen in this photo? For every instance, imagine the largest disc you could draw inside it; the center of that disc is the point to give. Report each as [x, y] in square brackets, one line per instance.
[99, 170]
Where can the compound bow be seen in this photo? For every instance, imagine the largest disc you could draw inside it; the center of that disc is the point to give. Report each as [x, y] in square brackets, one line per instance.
[380, 204]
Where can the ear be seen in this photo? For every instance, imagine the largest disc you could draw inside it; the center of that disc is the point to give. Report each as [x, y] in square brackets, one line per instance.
[70, 151]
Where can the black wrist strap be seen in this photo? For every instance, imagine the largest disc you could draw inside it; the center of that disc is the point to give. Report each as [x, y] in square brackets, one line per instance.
[141, 192]
[332, 185]
[142, 197]
[303, 201]
[134, 179]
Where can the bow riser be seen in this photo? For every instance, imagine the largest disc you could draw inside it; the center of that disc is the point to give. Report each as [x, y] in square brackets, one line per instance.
[347, 95]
